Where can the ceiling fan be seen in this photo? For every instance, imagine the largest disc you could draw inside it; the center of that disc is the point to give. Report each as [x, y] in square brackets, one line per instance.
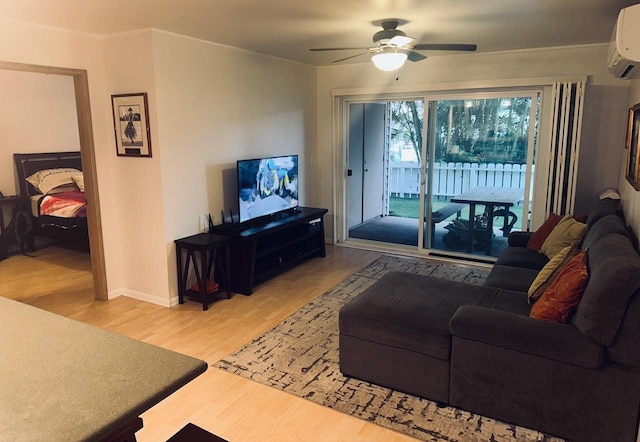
[394, 47]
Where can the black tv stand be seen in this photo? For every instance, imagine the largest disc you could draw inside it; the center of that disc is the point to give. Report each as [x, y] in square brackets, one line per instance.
[261, 249]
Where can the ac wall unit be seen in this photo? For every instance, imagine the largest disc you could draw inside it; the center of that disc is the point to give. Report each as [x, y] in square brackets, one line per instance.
[624, 49]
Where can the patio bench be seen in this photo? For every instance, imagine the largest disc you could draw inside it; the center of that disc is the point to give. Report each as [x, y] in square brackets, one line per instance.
[443, 213]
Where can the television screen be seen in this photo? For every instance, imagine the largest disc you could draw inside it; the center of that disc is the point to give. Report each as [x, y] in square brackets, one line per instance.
[267, 186]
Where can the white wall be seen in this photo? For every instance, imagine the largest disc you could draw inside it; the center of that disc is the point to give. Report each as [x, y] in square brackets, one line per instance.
[137, 182]
[604, 105]
[209, 106]
[217, 105]
[38, 115]
[630, 197]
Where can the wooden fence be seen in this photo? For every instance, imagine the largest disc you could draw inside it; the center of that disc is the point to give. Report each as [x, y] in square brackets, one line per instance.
[452, 179]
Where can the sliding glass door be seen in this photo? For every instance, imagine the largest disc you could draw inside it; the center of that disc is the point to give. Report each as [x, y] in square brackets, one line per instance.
[448, 174]
[480, 170]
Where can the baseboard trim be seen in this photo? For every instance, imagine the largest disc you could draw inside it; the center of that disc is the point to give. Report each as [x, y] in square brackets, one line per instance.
[140, 296]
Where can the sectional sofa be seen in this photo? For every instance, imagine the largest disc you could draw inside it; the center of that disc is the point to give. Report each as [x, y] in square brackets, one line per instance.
[477, 348]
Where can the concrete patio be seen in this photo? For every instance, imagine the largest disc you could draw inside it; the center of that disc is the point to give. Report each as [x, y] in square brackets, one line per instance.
[398, 230]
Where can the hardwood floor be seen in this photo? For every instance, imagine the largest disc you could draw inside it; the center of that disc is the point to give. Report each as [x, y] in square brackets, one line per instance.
[230, 406]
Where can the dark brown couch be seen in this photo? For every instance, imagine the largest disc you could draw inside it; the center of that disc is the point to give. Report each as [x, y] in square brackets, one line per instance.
[475, 347]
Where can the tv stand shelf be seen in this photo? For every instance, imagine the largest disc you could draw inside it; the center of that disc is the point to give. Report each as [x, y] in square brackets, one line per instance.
[261, 250]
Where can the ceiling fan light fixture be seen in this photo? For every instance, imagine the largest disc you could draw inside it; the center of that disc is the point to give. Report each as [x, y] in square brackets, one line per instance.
[392, 47]
[389, 60]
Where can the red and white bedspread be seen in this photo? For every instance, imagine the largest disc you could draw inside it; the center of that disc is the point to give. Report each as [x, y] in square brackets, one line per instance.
[64, 205]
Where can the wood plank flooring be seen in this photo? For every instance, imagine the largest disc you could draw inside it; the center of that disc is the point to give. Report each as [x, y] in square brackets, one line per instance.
[232, 407]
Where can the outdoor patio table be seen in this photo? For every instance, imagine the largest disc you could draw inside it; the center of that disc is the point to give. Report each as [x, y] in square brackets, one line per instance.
[490, 197]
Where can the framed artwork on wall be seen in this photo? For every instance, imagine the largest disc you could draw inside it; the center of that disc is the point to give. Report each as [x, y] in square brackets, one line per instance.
[131, 125]
[633, 147]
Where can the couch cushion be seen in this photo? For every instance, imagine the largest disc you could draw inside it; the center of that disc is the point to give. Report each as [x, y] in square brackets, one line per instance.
[522, 257]
[511, 278]
[550, 272]
[568, 232]
[519, 239]
[626, 348]
[602, 207]
[604, 225]
[563, 295]
[412, 311]
[614, 268]
[550, 340]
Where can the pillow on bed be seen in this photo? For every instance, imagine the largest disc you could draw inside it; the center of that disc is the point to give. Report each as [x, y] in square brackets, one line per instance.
[79, 180]
[48, 179]
[64, 188]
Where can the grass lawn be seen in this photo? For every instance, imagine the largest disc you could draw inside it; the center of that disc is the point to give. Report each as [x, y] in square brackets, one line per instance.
[410, 207]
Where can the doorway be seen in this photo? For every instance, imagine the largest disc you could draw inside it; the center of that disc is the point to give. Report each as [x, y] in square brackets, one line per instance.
[85, 128]
[384, 151]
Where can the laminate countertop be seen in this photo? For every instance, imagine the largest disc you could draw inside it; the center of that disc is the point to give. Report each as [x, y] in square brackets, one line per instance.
[63, 380]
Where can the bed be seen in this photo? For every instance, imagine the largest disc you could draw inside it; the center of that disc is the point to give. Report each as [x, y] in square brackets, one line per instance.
[51, 187]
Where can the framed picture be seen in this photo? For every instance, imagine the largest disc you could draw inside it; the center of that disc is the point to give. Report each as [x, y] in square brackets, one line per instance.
[131, 125]
[633, 147]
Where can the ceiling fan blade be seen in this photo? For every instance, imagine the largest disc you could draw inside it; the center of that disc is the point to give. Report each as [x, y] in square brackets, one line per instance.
[444, 47]
[413, 55]
[353, 56]
[336, 49]
[401, 40]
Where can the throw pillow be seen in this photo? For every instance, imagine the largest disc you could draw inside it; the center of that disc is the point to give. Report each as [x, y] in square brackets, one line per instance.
[568, 232]
[563, 295]
[550, 272]
[581, 218]
[536, 241]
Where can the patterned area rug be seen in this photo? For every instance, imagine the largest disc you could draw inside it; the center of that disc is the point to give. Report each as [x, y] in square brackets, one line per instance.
[300, 356]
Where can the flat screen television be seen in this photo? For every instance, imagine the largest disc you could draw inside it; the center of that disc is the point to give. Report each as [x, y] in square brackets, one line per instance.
[267, 185]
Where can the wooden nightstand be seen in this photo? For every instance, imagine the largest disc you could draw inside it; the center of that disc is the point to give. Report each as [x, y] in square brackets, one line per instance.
[6, 201]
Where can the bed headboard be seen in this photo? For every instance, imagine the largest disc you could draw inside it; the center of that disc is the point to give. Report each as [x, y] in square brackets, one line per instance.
[29, 163]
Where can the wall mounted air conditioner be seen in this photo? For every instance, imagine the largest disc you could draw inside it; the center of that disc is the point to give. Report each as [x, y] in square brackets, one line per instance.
[624, 49]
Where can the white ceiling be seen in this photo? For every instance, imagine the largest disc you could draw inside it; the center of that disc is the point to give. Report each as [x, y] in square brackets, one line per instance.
[288, 28]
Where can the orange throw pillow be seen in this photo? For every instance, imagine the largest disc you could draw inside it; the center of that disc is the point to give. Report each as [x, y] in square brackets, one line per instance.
[563, 295]
[538, 238]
